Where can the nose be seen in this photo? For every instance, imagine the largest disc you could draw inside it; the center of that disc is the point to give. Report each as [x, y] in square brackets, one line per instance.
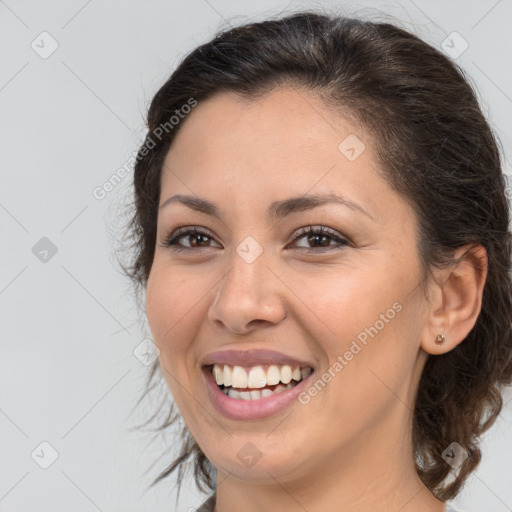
[250, 296]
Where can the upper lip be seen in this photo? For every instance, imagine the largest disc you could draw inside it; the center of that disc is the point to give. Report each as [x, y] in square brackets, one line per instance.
[252, 357]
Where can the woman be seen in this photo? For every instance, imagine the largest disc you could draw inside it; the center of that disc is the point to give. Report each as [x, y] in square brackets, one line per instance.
[322, 236]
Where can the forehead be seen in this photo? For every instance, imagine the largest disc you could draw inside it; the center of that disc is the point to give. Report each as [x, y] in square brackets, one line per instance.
[247, 154]
[285, 132]
[283, 120]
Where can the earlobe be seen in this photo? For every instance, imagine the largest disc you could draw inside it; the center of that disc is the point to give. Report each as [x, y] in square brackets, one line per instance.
[456, 300]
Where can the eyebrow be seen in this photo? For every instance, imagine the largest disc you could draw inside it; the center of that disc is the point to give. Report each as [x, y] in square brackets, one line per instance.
[278, 209]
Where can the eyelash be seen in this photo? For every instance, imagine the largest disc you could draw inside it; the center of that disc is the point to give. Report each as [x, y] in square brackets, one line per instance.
[171, 241]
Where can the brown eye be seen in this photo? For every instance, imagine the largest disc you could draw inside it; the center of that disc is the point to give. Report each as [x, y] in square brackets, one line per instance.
[323, 237]
[197, 239]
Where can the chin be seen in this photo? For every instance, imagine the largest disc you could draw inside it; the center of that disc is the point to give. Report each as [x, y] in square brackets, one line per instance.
[258, 465]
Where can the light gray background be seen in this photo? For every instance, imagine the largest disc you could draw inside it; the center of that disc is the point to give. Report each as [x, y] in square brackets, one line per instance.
[68, 373]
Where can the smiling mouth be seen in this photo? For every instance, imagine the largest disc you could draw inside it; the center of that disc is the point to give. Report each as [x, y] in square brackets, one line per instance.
[257, 382]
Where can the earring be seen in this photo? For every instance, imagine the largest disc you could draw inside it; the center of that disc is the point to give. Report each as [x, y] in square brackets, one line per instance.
[440, 339]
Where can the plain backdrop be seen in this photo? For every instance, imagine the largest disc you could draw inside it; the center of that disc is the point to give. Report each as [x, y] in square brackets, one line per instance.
[76, 78]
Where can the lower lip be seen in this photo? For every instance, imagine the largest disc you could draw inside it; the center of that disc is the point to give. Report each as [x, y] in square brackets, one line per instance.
[238, 409]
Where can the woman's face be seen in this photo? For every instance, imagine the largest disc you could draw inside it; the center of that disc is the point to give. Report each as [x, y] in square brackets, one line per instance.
[347, 302]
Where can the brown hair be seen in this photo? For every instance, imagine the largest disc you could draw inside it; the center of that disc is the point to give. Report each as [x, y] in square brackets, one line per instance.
[436, 149]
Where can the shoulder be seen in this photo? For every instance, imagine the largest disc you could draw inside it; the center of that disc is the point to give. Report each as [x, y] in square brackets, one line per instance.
[208, 505]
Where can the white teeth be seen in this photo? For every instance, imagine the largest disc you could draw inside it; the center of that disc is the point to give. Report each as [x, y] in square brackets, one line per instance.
[239, 377]
[286, 374]
[256, 377]
[218, 374]
[273, 375]
[256, 394]
[232, 393]
[227, 375]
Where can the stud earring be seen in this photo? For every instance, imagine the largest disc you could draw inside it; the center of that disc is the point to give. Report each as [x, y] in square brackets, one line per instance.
[440, 339]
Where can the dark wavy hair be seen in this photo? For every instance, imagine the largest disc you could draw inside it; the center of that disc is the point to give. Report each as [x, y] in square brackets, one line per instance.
[434, 147]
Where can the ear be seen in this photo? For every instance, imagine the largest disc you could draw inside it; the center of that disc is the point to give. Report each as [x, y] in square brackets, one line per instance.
[455, 300]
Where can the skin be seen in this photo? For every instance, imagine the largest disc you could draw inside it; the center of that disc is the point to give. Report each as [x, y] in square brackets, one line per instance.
[350, 447]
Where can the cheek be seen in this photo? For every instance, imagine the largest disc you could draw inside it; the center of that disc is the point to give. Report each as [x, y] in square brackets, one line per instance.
[169, 301]
[169, 312]
[342, 304]
[371, 320]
